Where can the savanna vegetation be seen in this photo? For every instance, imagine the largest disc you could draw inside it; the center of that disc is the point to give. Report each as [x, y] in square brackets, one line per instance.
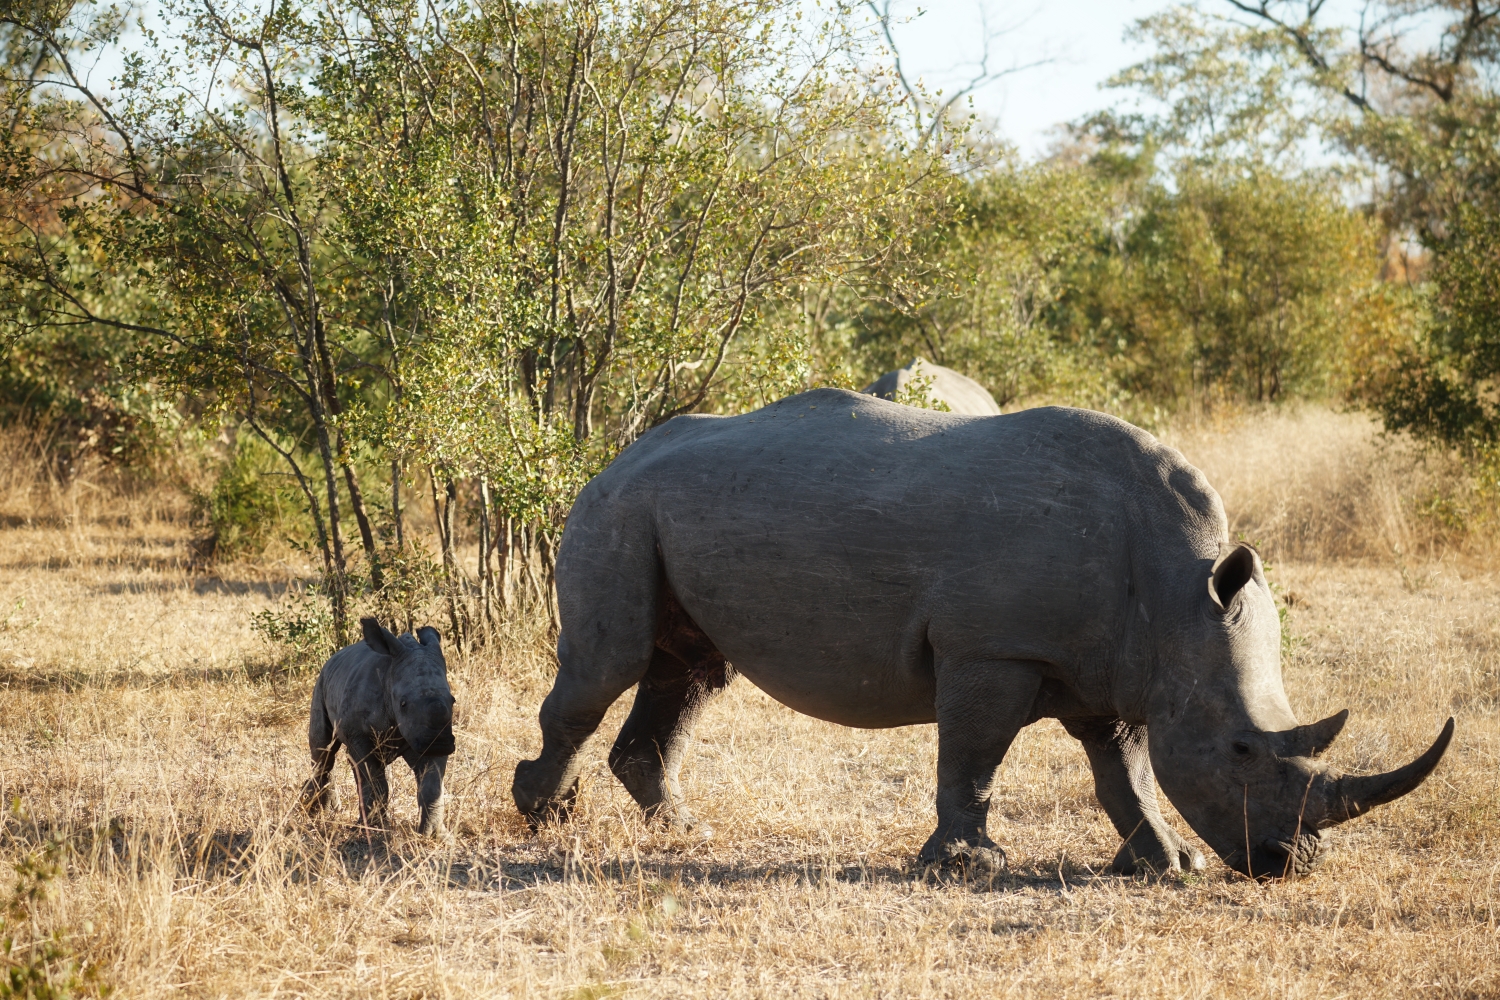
[318, 310]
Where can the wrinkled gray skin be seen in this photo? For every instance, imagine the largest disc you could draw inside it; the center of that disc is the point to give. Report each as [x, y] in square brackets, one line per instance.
[383, 698]
[880, 565]
[961, 393]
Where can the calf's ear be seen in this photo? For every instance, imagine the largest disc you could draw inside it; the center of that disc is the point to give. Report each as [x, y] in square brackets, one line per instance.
[428, 636]
[380, 639]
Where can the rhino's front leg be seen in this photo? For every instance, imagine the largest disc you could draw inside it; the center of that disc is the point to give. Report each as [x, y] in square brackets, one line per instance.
[1126, 787]
[369, 778]
[981, 706]
[429, 772]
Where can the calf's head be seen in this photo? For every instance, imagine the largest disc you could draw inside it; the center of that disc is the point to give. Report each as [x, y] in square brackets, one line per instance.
[416, 686]
[1226, 747]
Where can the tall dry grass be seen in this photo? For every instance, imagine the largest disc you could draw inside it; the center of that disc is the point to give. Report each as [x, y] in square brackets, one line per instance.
[1312, 483]
[134, 724]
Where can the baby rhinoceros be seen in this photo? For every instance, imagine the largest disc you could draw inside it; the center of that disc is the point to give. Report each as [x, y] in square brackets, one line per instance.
[384, 698]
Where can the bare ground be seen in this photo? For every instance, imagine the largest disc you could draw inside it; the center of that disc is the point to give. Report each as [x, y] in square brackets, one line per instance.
[136, 721]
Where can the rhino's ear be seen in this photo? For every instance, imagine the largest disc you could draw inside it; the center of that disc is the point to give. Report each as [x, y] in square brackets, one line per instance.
[1232, 572]
[380, 639]
[428, 636]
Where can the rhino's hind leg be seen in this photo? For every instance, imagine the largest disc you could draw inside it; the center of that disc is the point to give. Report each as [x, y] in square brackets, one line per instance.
[980, 709]
[598, 660]
[1126, 787]
[686, 671]
[318, 793]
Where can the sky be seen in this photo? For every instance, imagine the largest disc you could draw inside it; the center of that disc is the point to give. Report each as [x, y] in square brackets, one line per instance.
[1081, 42]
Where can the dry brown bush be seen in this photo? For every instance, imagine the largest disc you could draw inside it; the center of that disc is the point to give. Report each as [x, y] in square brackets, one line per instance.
[132, 722]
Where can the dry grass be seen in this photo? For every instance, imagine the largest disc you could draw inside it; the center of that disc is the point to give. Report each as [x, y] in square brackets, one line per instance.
[1315, 484]
[131, 723]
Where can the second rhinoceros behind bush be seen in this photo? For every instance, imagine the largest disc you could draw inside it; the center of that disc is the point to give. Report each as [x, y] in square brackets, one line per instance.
[959, 393]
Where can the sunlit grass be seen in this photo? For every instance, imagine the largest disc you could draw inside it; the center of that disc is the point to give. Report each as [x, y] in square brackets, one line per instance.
[138, 721]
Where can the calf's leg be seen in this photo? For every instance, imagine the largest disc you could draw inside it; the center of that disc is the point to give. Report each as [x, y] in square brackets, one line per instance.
[1126, 787]
[686, 672]
[369, 778]
[981, 706]
[429, 772]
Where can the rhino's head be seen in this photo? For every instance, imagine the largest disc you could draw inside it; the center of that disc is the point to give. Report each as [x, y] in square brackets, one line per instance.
[1227, 749]
[416, 682]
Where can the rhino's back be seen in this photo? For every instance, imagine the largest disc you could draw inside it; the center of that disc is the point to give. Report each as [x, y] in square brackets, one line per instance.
[836, 536]
[351, 691]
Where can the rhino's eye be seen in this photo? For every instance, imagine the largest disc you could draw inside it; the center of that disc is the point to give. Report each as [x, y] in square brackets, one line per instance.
[403, 702]
[1243, 749]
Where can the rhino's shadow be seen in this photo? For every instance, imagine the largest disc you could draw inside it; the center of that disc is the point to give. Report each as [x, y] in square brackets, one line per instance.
[347, 851]
[512, 868]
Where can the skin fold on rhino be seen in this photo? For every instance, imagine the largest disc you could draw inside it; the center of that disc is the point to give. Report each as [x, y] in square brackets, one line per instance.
[878, 565]
[383, 699]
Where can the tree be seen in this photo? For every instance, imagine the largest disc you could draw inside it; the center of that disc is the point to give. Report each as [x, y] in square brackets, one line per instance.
[1231, 267]
[976, 290]
[1426, 117]
[494, 242]
[1229, 286]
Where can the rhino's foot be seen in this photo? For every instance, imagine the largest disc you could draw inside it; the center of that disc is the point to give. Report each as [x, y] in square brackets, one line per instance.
[375, 818]
[316, 799]
[1157, 855]
[432, 824]
[981, 859]
[538, 807]
[679, 819]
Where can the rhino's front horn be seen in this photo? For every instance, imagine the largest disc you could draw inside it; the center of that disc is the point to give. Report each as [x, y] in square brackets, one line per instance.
[1311, 739]
[1354, 795]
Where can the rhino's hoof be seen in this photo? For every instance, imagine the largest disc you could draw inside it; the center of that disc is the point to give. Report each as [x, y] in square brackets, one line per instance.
[538, 807]
[315, 800]
[962, 858]
[1159, 859]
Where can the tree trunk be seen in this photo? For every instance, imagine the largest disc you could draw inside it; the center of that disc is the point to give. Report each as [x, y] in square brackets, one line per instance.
[396, 505]
[362, 518]
[443, 511]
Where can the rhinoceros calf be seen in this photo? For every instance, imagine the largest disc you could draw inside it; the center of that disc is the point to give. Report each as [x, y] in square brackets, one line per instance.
[383, 698]
[880, 565]
[959, 393]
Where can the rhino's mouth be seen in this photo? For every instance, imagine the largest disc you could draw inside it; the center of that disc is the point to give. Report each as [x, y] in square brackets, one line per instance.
[1282, 857]
[439, 744]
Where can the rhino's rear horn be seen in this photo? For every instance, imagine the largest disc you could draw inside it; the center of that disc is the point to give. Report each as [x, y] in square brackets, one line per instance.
[1311, 739]
[1353, 795]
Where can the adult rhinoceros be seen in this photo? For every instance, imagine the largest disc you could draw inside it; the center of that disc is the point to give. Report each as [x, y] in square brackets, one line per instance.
[959, 393]
[878, 565]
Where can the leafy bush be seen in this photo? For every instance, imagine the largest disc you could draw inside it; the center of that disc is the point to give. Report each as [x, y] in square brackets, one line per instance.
[301, 629]
[243, 509]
